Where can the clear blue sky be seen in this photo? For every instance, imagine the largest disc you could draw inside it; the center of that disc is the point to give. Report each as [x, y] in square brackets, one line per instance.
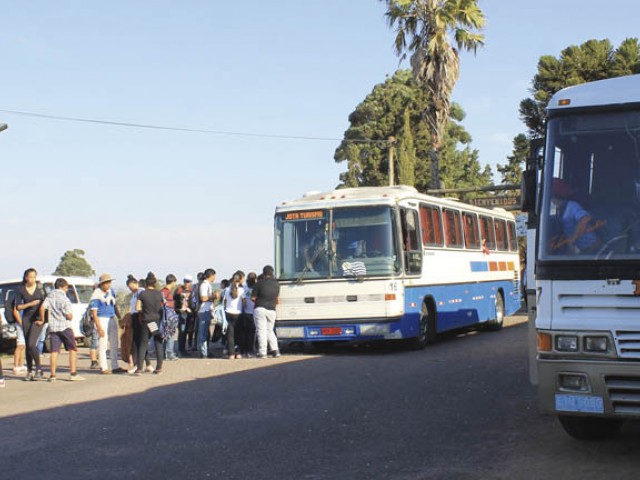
[139, 200]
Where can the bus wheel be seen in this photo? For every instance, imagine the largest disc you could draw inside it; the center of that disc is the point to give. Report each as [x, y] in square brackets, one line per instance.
[589, 428]
[426, 329]
[498, 322]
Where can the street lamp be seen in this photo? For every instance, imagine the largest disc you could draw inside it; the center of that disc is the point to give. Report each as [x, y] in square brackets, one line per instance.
[3, 126]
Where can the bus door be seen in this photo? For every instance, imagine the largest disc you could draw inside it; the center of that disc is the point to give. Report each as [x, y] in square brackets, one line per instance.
[411, 247]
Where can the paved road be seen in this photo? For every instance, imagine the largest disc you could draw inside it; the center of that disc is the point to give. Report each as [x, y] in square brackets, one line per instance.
[461, 409]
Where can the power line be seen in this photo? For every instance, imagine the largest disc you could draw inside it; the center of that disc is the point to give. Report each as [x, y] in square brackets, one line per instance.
[180, 129]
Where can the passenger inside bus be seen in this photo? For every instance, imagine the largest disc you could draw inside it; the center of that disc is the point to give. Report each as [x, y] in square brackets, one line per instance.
[576, 228]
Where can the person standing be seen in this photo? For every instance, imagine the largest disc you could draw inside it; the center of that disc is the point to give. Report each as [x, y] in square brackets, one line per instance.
[60, 328]
[206, 297]
[170, 303]
[28, 301]
[265, 295]
[181, 299]
[136, 290]
[233, 309]
[149, 305]
[246, 319]
[104, 310]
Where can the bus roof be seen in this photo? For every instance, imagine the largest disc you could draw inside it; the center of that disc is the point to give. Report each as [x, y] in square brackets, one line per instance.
[611, 91]
[361, 196]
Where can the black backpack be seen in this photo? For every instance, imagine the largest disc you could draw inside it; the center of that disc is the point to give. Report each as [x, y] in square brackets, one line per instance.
[9, 306]
[86, 323]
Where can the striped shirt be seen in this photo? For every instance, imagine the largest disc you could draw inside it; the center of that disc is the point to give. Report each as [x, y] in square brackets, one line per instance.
[59, 307]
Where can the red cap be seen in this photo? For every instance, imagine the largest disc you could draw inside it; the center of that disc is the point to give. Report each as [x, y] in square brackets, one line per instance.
[561, 188]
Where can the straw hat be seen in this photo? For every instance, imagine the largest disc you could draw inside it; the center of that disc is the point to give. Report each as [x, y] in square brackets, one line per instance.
[104, 278]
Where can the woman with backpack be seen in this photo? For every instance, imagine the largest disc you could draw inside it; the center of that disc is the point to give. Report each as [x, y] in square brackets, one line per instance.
[170, 328]
[233, 309]
[28, 301]
[149, 305]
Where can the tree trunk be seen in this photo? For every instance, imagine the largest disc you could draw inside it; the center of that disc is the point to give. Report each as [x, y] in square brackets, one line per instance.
[435, 170]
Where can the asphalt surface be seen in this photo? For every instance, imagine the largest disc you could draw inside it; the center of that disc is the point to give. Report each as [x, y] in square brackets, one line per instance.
[460, 409]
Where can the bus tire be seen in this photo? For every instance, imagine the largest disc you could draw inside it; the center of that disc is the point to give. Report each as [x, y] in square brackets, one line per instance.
[497, 323]
[426, 328]
[590, 428]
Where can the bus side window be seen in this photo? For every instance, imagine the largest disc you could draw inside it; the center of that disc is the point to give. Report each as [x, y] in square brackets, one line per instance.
[431, 225]
[487, 232]
[411, 241]
[452, 230]
[513, 239]
[471, 236]
[501, 235]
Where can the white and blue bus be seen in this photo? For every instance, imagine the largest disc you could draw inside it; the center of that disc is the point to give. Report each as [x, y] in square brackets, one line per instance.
[383, 263]
[584, 197]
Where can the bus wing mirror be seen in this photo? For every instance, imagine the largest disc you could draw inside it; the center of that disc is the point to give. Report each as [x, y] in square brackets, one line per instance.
[528, 190]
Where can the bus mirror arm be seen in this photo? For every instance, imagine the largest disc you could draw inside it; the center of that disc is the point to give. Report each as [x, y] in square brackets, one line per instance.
[528, 190]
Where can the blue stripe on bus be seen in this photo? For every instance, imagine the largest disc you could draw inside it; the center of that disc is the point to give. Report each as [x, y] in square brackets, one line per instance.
[479, 266]
[462, 304]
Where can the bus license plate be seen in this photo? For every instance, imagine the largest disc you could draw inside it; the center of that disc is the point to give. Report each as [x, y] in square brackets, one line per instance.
[579, 403]
[332, 331]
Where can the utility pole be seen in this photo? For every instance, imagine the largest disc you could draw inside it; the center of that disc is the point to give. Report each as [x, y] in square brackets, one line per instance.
[392, 170]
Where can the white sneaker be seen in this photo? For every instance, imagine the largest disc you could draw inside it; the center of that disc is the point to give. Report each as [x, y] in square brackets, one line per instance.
[3, 383]
[132, 370]
[150, 369]
[75, 378]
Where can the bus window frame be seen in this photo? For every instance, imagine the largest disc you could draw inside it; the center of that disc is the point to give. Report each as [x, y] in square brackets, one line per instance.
[458, 231]
[430, 211]
[489, 243]
[477, 245]
[505, 238]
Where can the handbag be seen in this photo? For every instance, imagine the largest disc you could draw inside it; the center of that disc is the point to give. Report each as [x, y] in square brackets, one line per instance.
[153, 327]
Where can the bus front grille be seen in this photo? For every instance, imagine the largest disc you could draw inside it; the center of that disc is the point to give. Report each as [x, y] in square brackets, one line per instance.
[628, 344]
[624, 394]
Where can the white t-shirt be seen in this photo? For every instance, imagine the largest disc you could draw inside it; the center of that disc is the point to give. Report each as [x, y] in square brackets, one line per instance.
[233, 305]
[206, 290]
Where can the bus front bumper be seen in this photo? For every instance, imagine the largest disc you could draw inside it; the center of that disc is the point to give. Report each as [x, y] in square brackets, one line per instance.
[604, 388]
[353, 330]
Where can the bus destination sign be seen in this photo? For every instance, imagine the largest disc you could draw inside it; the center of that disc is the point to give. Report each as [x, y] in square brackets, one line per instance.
[306, 215]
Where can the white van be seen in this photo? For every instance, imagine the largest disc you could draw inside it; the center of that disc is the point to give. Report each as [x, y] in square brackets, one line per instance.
[80, 291]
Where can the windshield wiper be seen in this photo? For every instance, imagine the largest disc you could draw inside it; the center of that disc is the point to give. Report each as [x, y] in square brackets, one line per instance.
[310, 263]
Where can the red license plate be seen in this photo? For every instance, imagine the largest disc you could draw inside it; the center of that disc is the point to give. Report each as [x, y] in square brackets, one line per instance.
[332, 331]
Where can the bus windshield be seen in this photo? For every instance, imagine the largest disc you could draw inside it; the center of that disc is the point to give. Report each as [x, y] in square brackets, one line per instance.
[341, 243]
[591, 197]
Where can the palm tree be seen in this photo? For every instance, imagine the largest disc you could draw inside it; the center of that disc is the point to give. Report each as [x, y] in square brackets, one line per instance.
[424, 28]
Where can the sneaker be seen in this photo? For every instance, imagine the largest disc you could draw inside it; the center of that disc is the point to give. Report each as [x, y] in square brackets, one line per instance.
[260, 356]
[106, 372]
[118, 370]
[74, 377]
[275, 354]
[51, 379]
[94, 365]
[138, 373]
[132, 370]
[3, 383]
[29, 377]
[149, 369]
[19, 370]
[39, 375]
[158, 372]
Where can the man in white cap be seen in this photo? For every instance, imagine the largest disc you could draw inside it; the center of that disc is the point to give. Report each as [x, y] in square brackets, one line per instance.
[104, 311]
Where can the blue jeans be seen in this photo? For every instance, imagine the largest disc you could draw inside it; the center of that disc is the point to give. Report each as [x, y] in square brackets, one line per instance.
[204, 321]
[169, 348]
[42, 338]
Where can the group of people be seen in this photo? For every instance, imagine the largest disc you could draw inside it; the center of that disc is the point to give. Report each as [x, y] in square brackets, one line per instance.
[240, 314]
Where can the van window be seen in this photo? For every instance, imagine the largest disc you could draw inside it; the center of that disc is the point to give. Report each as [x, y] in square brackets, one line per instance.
[84, 293]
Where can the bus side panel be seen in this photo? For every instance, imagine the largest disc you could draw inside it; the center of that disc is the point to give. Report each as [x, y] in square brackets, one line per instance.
[459, 305]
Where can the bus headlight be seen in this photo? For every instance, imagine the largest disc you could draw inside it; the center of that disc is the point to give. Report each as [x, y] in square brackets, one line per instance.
[596, 344]
[576, 382]
[567, 343]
